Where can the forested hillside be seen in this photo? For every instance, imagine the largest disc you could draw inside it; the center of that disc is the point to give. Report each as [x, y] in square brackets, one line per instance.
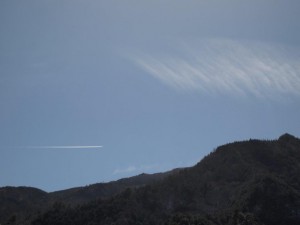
[247, 182]
[22, 204]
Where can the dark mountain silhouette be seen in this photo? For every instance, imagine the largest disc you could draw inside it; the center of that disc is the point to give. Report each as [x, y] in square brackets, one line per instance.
[247, 182]
[81, 195]
[21, 203]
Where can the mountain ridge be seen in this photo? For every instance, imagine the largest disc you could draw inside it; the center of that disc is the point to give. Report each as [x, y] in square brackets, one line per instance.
[244, 182]
[21, 201]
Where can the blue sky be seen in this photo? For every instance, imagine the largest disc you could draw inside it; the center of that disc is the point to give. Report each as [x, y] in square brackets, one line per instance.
[158, 84]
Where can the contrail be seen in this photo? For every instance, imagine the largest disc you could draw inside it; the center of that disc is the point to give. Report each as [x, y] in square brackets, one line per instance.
[65, 147]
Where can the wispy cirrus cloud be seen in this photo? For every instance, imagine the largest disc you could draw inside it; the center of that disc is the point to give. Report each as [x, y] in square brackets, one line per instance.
[129, 169]
[139, 169]
[224, 66]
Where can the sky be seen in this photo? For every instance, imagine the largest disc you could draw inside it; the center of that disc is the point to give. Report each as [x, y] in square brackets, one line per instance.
[93, 91]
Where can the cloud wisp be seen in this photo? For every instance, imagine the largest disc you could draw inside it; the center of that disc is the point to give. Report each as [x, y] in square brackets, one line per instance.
[63, 147]
[231, 67]
[131, 169]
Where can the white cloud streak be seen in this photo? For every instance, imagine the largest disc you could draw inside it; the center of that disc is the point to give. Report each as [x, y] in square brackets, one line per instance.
[231, 67]
[130, 169]
[65, 147]
[125, 170]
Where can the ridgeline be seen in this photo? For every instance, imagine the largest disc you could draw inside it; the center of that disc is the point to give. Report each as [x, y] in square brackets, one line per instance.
[253, 182]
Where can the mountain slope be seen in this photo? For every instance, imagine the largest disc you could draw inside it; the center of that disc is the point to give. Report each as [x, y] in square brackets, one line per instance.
[81, 195]
[22, 203]
[249, 182]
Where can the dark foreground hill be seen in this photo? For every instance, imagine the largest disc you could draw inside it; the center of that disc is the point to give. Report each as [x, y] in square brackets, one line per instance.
[19, 205]
[249, 182]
